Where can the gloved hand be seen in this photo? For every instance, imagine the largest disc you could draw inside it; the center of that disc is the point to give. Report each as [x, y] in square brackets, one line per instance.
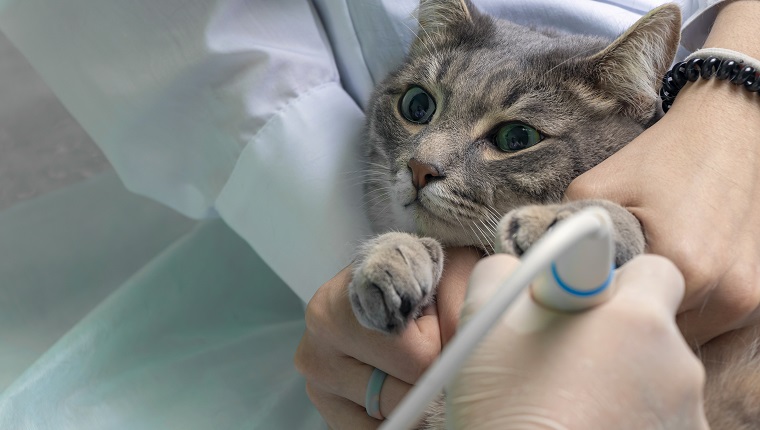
[621, 365]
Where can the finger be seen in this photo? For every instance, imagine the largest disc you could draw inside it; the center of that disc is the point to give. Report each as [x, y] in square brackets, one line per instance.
[651, 278]
[598, 183]
[348, 378]
[330, 321]
[488, 275]
[405, 355]
[343, 376]
[340, 413]
[452, 288]
[709, 318]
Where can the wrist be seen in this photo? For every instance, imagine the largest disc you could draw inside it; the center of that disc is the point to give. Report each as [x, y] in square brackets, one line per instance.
[715, 101]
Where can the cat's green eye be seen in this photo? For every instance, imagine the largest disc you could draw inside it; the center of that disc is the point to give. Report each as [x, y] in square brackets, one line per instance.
[417, 106]
[516, 136]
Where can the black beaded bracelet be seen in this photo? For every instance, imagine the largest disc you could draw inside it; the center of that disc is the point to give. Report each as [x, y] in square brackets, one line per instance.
[734, 70]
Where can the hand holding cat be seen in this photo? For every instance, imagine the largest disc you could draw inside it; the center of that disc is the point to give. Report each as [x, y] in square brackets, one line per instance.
[337, 355]
[692, 180]
[600, 369]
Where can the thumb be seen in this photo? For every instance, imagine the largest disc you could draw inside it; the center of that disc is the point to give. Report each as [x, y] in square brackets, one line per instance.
[605, 181]
[652, 280]
[486, 278]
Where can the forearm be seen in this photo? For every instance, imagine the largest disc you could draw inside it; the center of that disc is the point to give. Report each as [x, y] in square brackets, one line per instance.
[735, 28]
[712, 133]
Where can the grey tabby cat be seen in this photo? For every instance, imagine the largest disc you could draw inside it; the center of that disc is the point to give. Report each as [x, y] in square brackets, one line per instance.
[485, 118]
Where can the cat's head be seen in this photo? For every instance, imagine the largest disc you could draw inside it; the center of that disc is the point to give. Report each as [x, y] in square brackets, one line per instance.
[485, 115]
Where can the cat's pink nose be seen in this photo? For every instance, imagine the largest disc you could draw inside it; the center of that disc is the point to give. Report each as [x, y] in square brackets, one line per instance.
[422, 173]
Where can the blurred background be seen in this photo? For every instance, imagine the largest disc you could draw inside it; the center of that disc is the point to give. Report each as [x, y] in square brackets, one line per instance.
[42, 148]
[116, 311]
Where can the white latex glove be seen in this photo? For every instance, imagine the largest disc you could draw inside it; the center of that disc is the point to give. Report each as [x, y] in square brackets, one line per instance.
[622, 365]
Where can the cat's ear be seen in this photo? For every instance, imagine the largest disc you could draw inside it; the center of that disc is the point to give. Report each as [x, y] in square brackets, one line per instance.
[439, 21]
[631, 68]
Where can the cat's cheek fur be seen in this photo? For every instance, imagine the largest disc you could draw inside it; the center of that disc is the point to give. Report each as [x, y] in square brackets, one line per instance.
[403, 194]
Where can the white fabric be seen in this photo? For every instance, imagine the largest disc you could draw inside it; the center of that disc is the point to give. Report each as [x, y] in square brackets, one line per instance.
[292, 193]
[118, 313]
[174, 92]
[699, 16]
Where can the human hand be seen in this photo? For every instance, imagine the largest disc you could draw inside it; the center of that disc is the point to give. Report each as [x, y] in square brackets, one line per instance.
[337, 355]
[697, 195]
[621, 365]
[692, 180]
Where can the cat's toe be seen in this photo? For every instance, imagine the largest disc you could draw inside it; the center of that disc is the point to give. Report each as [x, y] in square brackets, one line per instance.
[509, 240]
[519, 229]
[386, 302]
[375, 309]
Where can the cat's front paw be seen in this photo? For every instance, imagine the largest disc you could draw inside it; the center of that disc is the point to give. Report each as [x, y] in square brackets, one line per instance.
[520, 228]
[394, 278]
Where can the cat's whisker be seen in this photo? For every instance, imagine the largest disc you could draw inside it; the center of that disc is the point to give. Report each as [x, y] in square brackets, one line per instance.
[379, 181]
[490, 218]
[373, 176]
[367, 169]
[381, 202]
[385, 187]
[378, 165]
[374, 169]
[485, 248]
[494, 225]
[363, 178]
[491, 221]
[370, 172]
[458, 219]
[374, 183]
[375, 201]
[379, 191]
[377, 197]
[495, 213]
[491, 233]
